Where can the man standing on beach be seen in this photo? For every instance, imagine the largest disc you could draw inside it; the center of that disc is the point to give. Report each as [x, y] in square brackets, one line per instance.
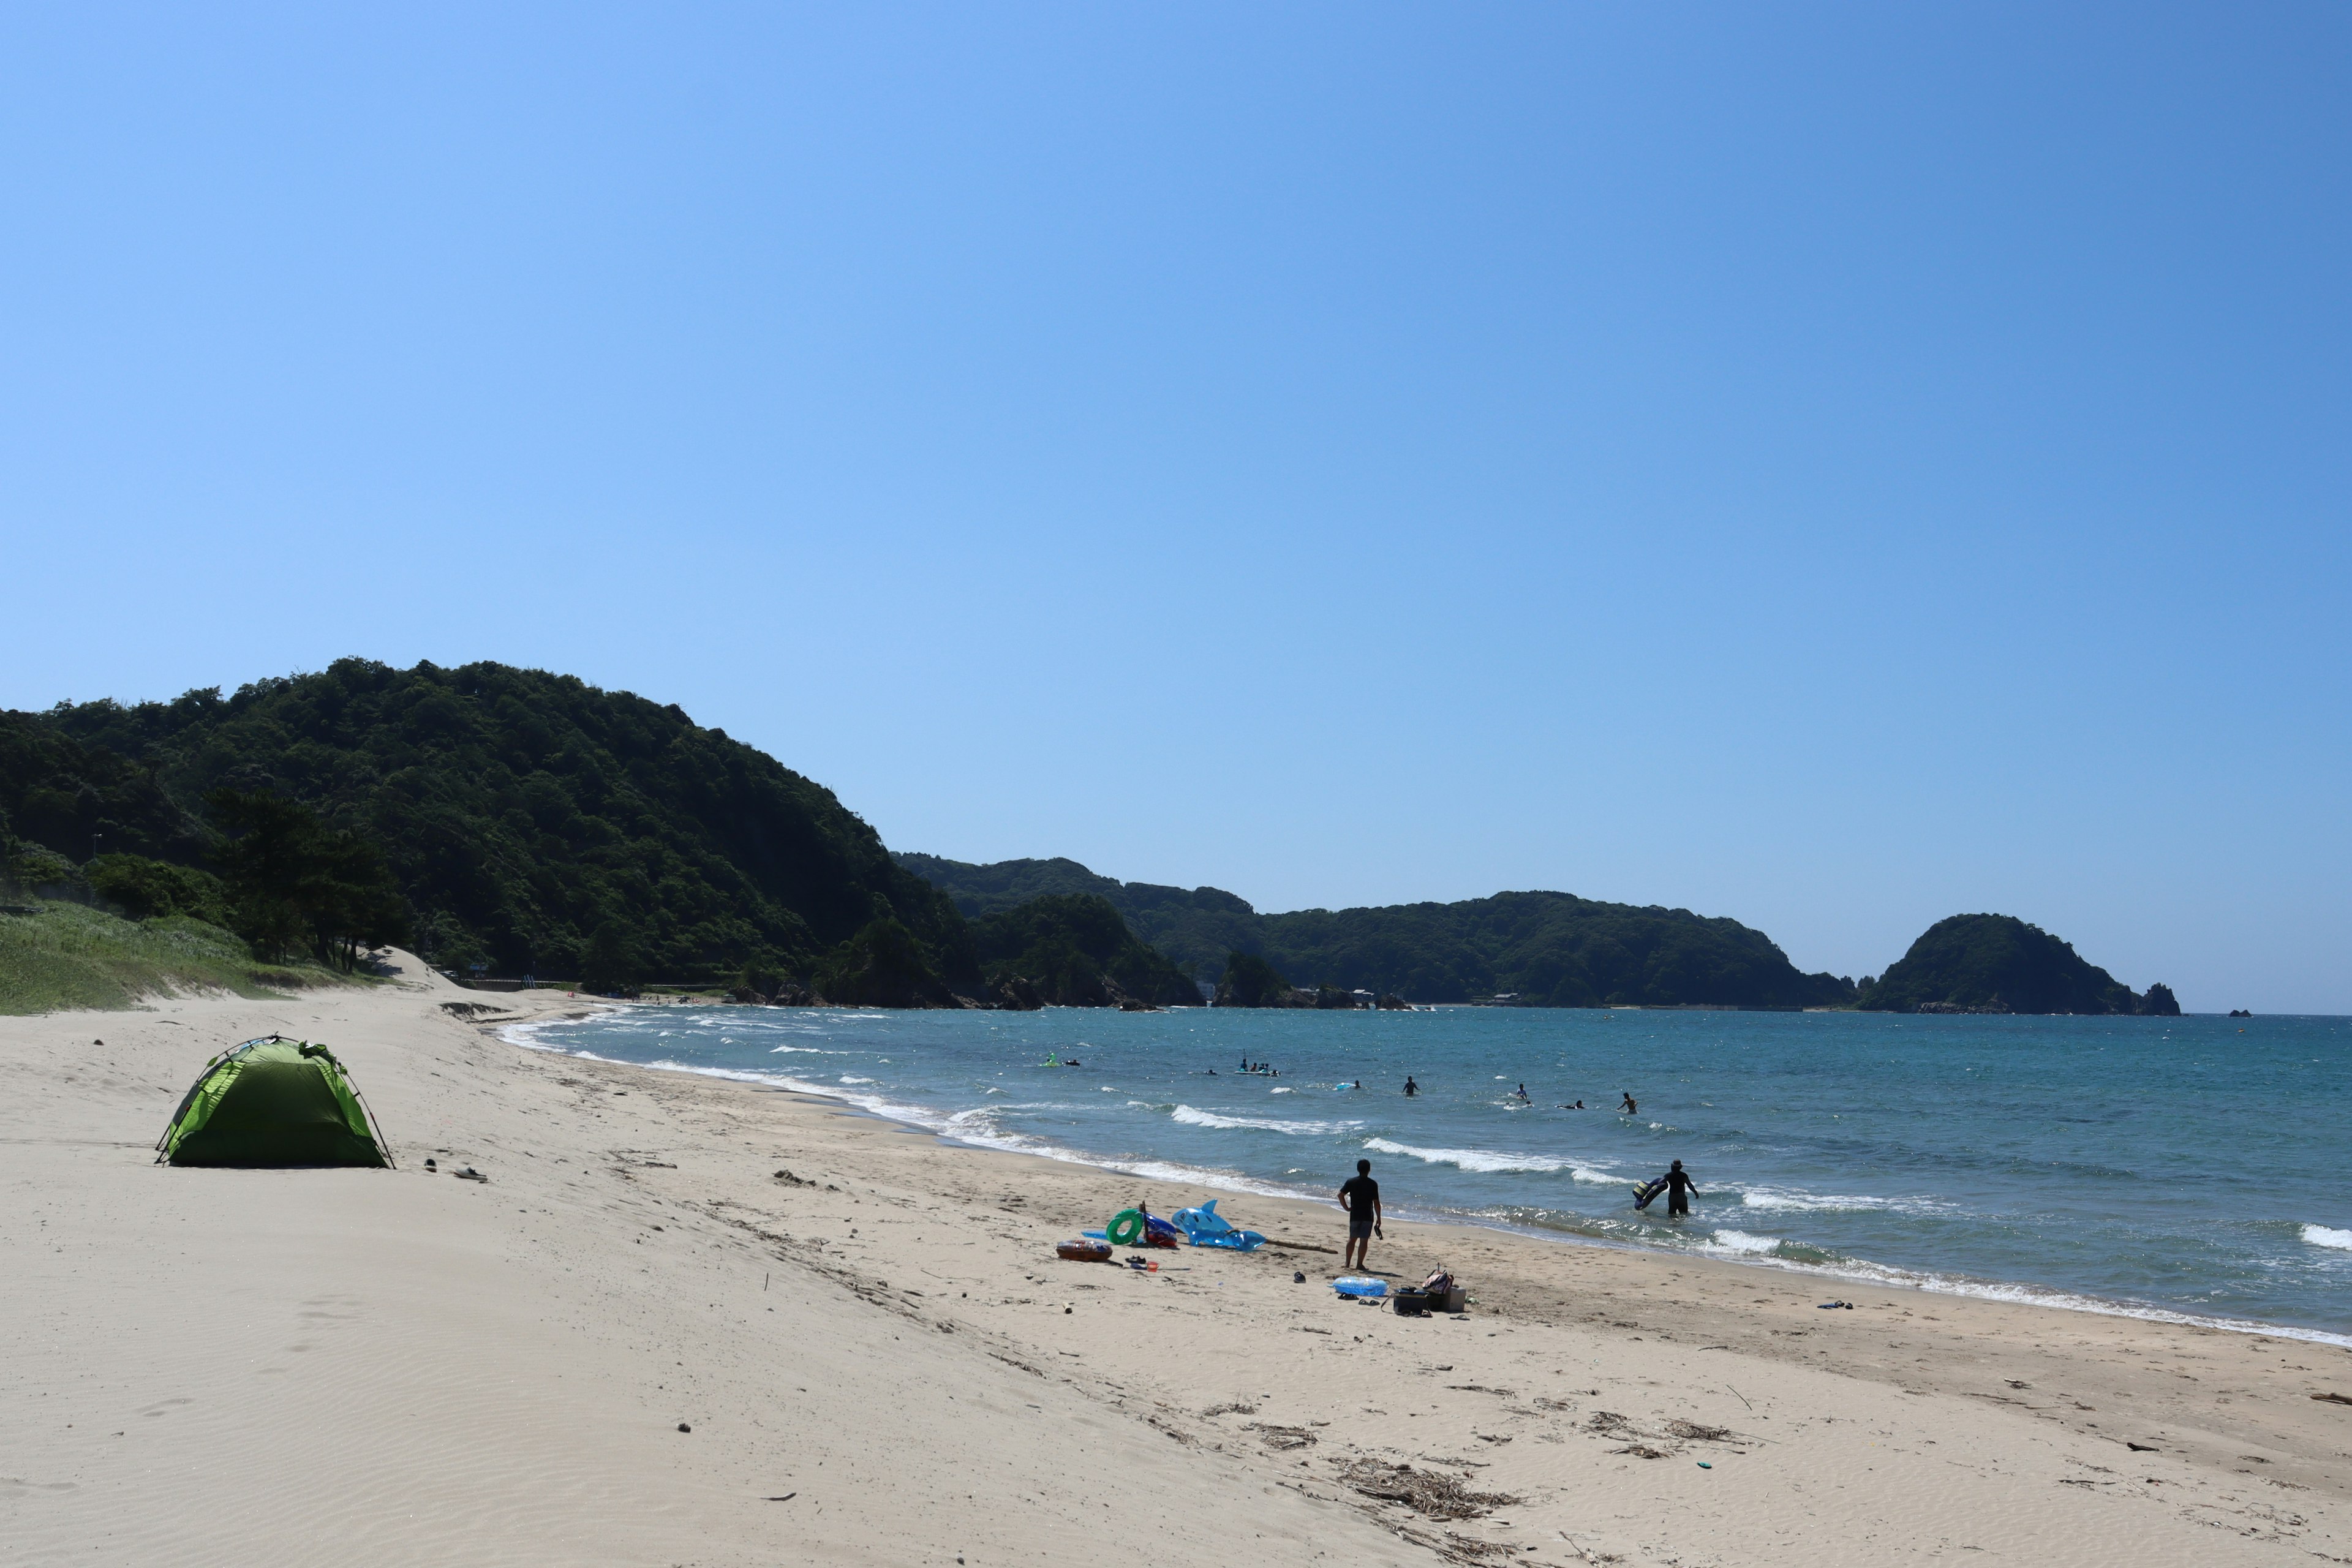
[1361, 1196]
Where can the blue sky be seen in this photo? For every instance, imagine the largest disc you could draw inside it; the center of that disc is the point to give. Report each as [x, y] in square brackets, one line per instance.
[1834, 467]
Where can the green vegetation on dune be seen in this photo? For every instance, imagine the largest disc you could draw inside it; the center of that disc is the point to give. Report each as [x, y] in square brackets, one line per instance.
[1999, 964]
[60, 956]
[520, 813]
[1549, 949]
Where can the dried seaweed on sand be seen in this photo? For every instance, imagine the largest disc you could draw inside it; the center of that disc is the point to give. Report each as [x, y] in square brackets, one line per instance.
[1426, 1493]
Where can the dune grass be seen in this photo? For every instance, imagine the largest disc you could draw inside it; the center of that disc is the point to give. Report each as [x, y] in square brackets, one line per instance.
[63, 956]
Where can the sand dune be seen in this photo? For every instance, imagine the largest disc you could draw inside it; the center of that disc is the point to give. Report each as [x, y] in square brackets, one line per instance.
[881, 1361]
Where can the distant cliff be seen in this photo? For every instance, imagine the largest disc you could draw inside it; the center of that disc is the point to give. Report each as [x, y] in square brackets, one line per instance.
[1554, 949]
[1999, 964]
[1074, 950]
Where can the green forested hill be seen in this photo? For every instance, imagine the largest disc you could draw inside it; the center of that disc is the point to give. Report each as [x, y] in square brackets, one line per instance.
[1077, 952]
[1552, 949]
[1999, 964]
[1195, 929]
[71, 798]
[520, 812]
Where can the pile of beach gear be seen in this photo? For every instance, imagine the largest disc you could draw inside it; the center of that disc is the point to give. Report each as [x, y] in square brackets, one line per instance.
[1438, 1293]
[1202, 1226]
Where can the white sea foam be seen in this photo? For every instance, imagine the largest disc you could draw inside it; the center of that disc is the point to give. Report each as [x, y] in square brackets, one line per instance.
[848, 1078]
[2324, 1235]
[1194, 1117]
[1284, 1092]
[1739, 1241]
[1834, 1203]
[1602, 1178]
[1470, 1159]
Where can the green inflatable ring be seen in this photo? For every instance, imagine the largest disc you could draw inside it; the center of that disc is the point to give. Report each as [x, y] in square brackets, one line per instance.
[1126, 1229]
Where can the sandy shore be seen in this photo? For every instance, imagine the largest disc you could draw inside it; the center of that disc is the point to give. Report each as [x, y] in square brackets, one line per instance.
[880, 1360]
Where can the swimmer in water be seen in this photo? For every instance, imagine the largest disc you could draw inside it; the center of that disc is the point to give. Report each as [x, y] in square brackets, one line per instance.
[1411, 1087]
[1523, 1093]
[1628, 1107]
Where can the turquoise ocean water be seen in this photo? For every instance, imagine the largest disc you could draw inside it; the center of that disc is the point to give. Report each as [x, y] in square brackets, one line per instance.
[2196, 1166]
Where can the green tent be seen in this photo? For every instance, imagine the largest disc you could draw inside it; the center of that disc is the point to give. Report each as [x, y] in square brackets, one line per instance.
[273, 1102]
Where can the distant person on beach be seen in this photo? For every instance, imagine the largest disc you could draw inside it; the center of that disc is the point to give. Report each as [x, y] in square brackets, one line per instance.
[1361, 1196]
[1680, 1189]
[1628, 1107]
[1411, 1087]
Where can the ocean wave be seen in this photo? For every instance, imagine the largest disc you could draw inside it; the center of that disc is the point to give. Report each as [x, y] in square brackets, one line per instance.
[1192, 1116]
[1470, 1159]
[1740, 1242]
[1773, 1198]
[2325, 1236]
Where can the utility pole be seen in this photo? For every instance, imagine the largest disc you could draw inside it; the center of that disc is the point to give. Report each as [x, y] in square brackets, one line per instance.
[94, 844]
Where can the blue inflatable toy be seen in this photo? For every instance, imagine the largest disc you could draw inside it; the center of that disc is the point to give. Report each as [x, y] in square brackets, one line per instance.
[1205, 1226]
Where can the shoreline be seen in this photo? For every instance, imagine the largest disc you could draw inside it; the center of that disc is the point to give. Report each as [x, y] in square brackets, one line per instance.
[1954, 1286]
[682, 1323]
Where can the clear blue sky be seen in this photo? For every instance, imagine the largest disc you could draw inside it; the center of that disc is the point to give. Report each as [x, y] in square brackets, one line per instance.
[1834, 467]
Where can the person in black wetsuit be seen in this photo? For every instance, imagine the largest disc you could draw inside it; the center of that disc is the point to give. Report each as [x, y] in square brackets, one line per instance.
[1361, 1196]
[1411, 1087]
[1680, 1189]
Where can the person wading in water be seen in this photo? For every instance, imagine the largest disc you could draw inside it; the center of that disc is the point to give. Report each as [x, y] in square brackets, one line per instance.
[1680, 1190]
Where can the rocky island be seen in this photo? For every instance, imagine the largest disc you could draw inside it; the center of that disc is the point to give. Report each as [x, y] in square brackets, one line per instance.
[1999, 964]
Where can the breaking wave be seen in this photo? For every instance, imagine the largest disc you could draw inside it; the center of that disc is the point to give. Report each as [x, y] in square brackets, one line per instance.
[1194, 1117]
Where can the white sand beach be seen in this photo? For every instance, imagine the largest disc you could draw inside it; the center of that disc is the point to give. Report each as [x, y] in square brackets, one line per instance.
[881, 1361]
